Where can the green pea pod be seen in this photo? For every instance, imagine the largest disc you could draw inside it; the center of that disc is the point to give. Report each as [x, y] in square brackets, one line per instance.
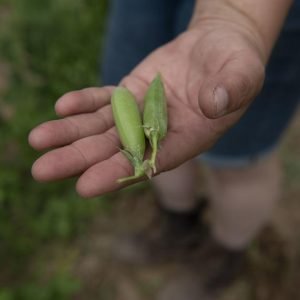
[130, 129]
[155, 117]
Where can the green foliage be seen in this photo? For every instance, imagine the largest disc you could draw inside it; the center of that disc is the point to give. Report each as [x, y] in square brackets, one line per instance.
[50, 47]
[59, 288]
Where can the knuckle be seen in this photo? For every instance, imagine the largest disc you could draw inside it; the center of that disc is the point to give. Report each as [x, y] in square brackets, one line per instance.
[245, 88]
[244, 85]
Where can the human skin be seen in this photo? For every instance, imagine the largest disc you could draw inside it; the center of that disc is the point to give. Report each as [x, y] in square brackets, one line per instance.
[222, 56]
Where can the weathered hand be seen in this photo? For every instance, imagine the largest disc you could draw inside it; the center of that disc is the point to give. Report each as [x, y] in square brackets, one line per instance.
[211, 75]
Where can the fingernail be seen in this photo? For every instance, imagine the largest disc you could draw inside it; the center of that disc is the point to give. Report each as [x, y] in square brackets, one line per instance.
[221, 99]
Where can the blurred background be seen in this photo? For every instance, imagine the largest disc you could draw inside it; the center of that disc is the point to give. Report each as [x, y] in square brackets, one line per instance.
[55, 245]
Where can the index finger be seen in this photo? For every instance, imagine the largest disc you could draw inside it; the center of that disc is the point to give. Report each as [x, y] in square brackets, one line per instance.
[83, 101]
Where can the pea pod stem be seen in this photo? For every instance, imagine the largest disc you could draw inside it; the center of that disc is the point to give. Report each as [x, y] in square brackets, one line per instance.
[154, 145]
[138, 172]
[137, 164]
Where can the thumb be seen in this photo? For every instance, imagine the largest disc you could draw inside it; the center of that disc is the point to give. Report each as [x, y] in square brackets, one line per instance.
[232, 88]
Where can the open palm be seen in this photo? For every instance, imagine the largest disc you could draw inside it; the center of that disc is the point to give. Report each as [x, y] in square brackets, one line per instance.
[195, 67]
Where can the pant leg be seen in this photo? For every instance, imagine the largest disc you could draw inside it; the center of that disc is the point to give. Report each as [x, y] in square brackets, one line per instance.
[134, 29]
[243, 176]
[183, 15]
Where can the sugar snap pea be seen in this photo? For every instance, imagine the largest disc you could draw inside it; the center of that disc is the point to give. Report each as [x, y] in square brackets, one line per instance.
[155, 117]
[130, 129]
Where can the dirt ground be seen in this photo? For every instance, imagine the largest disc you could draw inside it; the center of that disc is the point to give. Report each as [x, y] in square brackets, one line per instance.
[272, 270]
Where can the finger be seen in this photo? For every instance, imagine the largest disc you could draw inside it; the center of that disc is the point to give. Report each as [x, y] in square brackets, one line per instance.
[232, 88]
[102, 177]
[65, 131]
[83, 101]
[73, 159]
[136, 85]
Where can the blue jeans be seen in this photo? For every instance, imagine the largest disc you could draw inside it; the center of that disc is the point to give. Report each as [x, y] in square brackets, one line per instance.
[137, 27]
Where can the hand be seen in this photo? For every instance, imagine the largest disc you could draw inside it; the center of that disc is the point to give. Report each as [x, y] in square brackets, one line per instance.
[211, 75]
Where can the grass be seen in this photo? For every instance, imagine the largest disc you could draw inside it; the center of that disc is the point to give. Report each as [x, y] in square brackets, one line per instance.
[46, 49]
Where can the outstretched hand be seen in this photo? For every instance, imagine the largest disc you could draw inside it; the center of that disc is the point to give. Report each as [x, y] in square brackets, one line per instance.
[210, 75]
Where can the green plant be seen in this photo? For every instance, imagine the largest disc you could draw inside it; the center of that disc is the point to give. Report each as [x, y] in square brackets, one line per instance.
[49, 47]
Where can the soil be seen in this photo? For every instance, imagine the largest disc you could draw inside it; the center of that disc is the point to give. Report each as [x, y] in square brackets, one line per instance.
[271, 272]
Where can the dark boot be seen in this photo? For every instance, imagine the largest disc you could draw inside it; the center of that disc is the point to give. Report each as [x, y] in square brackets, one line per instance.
[171, 236]
[210, 272]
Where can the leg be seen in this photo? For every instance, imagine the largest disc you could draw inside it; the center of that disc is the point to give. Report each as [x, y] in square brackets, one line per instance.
[135, 28]
[242, 200]
[177, 188]
[244, 181]
[175, 231]
[125, 47]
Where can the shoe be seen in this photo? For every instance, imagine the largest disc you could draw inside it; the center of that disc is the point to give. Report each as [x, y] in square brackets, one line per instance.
[205, 278]
[220, 265]
[169, 237]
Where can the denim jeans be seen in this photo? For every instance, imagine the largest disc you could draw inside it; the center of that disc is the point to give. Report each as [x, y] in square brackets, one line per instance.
[137, 27]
